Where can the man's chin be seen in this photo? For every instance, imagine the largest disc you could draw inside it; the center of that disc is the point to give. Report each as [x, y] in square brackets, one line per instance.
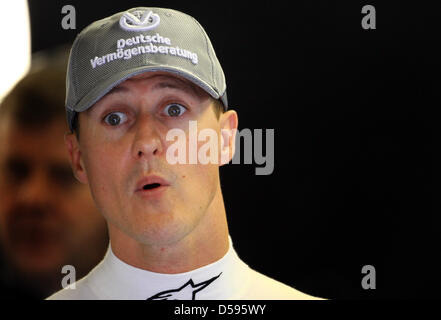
[32, 258]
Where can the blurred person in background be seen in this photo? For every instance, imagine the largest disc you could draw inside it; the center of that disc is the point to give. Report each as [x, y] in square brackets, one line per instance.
[47, 218]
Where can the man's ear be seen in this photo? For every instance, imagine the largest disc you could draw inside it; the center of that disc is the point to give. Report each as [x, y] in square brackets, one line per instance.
[75, 157]
[228, 125]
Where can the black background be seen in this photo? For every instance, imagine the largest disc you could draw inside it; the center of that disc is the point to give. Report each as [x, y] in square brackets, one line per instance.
[356, 178]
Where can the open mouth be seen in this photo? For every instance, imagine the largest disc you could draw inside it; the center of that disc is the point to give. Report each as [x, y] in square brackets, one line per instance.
[151, 186]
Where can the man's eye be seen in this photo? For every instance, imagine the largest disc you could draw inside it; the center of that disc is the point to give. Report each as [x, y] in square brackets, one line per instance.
[17, 170]
[115, 118]
[174, 110]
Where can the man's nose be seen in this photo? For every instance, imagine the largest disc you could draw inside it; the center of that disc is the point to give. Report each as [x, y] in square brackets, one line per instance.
[147, 141]
[36, 190]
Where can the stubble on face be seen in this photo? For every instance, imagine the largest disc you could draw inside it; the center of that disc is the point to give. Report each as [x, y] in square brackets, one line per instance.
[113, 171]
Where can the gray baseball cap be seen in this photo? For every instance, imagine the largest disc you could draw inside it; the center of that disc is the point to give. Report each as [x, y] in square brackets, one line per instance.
[111, 50]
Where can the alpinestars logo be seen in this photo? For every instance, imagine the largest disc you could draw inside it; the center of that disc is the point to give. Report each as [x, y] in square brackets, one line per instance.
[186, 292]
[139, 20]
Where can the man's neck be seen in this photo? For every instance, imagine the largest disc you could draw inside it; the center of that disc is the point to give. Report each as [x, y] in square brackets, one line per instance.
[205, 244]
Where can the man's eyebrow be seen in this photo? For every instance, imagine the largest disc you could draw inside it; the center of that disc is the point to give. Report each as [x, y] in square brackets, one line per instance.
[114, 90]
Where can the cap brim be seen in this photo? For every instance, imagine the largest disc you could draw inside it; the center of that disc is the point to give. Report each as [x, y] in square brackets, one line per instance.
[108, 84]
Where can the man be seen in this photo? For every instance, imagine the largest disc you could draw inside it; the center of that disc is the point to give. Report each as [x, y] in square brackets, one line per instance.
[47, 218]
[134, 79]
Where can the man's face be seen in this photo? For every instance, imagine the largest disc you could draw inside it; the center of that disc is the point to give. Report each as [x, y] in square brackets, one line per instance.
[47, 218]
[123, 145]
